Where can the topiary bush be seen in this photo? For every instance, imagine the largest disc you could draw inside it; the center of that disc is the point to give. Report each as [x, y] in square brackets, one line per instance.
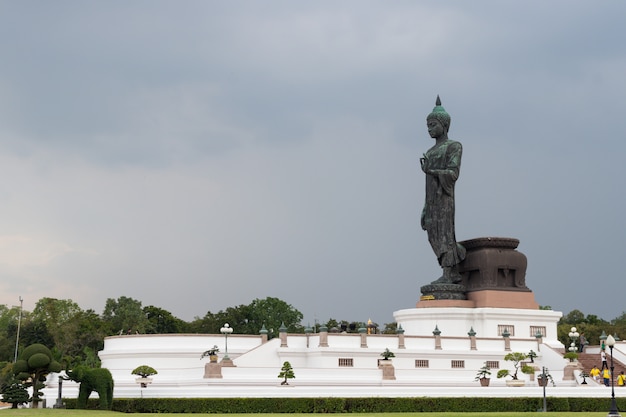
[93, 379]
[32, 366]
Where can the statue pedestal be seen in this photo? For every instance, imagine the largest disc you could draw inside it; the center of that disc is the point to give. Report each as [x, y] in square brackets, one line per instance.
[212, 370]
[493, 275]
[389, 372]
[227, 363]
[443, 292]
[568, 371]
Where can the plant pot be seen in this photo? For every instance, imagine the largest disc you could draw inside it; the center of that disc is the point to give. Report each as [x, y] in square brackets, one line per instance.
[484, 382]
[143, 381]
[515, 383]
[542, 382]
[213, 358]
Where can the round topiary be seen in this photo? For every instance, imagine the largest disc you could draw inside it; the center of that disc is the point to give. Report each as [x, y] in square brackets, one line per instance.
[39, 360]
[20, 366]
[55, 366]
[144, 371]
[35, 348]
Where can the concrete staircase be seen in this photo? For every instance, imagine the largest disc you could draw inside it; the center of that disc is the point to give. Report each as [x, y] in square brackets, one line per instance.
[589, 360]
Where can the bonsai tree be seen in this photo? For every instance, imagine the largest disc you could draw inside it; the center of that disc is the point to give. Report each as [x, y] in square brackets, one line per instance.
[532, 355]
[32, 366]
[516, 358]
[387, 354]
[211, 352]
[584, 375]
[286, 372]
[572, 356]
[483, 373]
[144, 371]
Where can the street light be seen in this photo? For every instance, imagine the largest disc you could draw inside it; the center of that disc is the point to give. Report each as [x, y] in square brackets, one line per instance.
[610, 341]
[226, 330]
[19, 323]
[573, 334]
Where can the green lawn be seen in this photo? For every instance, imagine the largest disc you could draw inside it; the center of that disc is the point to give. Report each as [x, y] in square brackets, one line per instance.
[94, 413]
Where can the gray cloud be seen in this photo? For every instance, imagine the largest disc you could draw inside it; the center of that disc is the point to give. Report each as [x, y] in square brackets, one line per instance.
[199, 155]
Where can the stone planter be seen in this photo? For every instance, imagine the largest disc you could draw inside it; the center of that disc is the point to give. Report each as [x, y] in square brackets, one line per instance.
[143, 381]
[515, 383]
[389, 372]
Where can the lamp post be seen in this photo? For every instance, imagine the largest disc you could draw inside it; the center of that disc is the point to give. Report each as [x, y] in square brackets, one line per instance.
[573, 334]
[19, 323]
[610, 341]
[226, 330]
[544, 377]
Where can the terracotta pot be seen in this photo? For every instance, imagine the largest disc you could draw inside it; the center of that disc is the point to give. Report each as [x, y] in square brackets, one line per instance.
[484, 382]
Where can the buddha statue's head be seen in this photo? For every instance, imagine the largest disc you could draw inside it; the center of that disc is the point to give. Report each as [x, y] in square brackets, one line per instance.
[440, 114]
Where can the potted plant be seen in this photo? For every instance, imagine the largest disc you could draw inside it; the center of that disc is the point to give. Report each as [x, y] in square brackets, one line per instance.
[572, 356]
[144, 372]
[531, 355]
[483, 375]
[544, 377]
[211, 353]
[584, 376]
[387, 354]
[516, 358]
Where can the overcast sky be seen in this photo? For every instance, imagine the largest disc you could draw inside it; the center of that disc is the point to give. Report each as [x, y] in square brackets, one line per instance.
[196, 155]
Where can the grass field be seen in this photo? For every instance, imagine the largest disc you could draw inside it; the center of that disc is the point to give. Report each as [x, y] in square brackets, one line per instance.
[95, 413]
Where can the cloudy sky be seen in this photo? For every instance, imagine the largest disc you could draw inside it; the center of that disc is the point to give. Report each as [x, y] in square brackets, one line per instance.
[196, 155]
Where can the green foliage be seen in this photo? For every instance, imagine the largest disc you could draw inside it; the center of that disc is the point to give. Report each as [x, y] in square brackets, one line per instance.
[286, 372]
[390, 328]
[211, 352]
[387, 354]
[144, 371]
[125, 315]
[356, 405]
[516, 358]
[93, 379]
[33, 365]
[572, 356]
[161, 321]
[15, 394]
[249, 319]
[483, 372]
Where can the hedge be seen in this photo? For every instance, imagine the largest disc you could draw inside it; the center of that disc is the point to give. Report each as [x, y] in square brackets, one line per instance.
[353, 405]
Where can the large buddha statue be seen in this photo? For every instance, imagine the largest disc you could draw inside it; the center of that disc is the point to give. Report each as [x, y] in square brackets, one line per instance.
[441, 164]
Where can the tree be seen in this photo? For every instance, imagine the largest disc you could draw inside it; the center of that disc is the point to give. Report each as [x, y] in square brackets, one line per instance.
[161, 321]
[286, 372]
[574, 317]
[391, 328]
[516, 358]
[15, 394]
[249, 319]
[125, 315]
[32, 367]
[61, 320]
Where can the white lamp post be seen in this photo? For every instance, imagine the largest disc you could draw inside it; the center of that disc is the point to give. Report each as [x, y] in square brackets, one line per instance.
[573, 334]
[226, 330]
[19, 323]
[610, 342]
